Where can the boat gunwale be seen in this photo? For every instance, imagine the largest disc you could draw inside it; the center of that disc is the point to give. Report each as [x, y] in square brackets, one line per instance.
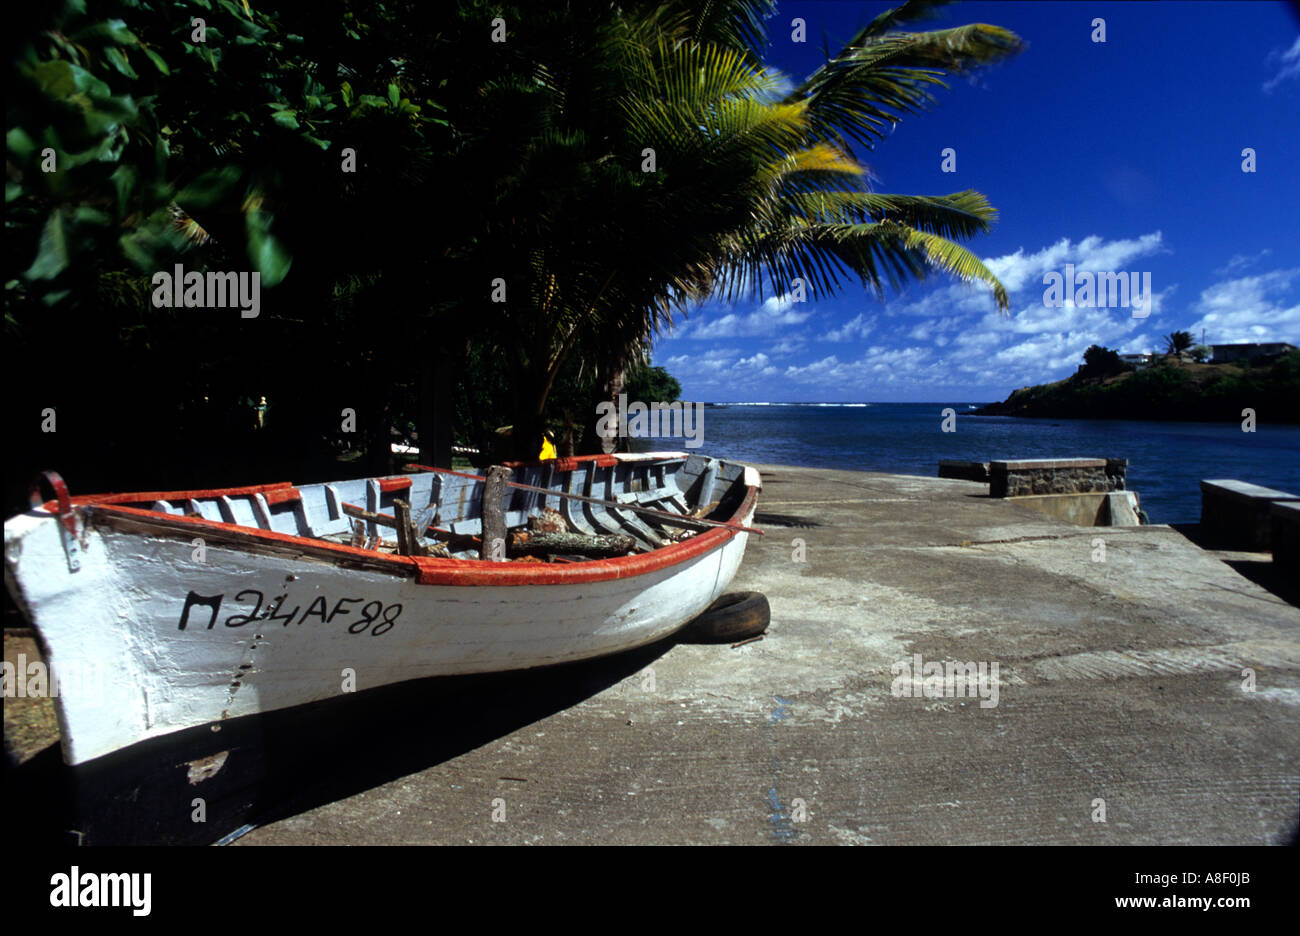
[425, 570]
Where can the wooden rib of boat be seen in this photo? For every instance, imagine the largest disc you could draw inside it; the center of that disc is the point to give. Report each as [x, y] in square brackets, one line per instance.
[183, 608]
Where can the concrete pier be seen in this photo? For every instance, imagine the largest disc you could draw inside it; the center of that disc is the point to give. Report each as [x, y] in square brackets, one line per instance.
[1143, 690]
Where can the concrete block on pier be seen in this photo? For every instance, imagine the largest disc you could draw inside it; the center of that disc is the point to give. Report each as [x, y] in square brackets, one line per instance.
[1239, 514]
[1285, 534]
[964, 470]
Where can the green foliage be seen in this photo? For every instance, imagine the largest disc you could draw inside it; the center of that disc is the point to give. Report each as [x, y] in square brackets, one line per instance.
[1201, 353]
[1286, 368]
[1102, 362]
[1171, 390]
[651, 384]
[475, 160]
[224, 156]
[149, 127]
[1157, 384]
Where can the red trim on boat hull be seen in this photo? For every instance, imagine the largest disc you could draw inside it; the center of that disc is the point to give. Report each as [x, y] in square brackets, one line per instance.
[150, 497]
[459, 572]
[559, 464]
[568, 464]
[282, 496]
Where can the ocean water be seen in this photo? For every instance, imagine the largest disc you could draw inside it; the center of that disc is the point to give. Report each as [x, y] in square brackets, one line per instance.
[1167, 460]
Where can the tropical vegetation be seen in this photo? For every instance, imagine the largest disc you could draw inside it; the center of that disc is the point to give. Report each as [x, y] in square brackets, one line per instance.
[452, 232]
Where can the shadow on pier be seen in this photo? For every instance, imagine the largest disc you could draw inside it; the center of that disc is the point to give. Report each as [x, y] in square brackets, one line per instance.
[263, 768]
[1266, 573]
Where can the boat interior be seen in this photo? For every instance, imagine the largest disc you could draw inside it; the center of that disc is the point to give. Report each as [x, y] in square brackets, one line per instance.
[605, 505]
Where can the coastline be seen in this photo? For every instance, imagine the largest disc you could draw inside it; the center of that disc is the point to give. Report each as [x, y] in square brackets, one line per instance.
[1267, 390]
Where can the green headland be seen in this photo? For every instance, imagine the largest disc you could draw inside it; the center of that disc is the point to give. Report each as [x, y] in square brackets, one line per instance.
[1169, 387]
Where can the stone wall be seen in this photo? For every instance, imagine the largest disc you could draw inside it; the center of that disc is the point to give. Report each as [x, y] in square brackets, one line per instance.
[1056, 476]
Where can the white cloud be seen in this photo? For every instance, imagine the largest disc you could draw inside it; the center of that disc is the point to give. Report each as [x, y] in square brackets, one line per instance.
[957, 338]
[936, 329]
[1141, 343]
[706, 364]
[849, 331]
[955, 297]
[758, 363]
[768, 319]
[1037, 343]
[1251, 308]
[1241, 261]
[788, 345]
[1019, 270]
[1036, 318]
[1290, 61]
[818, 370]
[721, 371]
[878, 368]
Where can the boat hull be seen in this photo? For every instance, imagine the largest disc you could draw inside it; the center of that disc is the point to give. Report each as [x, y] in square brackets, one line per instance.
[166, 631]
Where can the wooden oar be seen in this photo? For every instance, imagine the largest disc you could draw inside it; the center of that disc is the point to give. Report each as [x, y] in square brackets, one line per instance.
[670, 519]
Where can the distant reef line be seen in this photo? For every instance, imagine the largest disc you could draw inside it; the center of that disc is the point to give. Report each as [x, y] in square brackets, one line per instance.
[1168, 389]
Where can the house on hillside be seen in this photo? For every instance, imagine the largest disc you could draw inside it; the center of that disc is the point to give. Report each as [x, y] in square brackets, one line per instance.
[1248, 351]
[1137, 361]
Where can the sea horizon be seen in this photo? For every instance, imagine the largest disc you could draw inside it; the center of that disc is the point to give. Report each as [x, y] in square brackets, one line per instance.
[1167, 460]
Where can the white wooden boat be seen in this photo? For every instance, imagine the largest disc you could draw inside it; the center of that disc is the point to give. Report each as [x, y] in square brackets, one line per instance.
[184, 608]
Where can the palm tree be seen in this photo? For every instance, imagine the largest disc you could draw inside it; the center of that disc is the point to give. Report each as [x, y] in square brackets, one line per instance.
[1177, 342]
[749, 190]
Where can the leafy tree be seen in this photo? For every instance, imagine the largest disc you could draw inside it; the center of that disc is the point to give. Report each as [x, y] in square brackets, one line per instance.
[220, 154]
[651, 384]
[1102, 362]
[1202, 353]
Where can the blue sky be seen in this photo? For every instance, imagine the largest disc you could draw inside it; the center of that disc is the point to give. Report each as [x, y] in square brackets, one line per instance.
[1123, 156]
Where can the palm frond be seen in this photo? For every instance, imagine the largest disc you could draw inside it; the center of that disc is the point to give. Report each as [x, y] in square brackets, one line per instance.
[905, 243]
[960, 215]
[910, 12]
[876, 80]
